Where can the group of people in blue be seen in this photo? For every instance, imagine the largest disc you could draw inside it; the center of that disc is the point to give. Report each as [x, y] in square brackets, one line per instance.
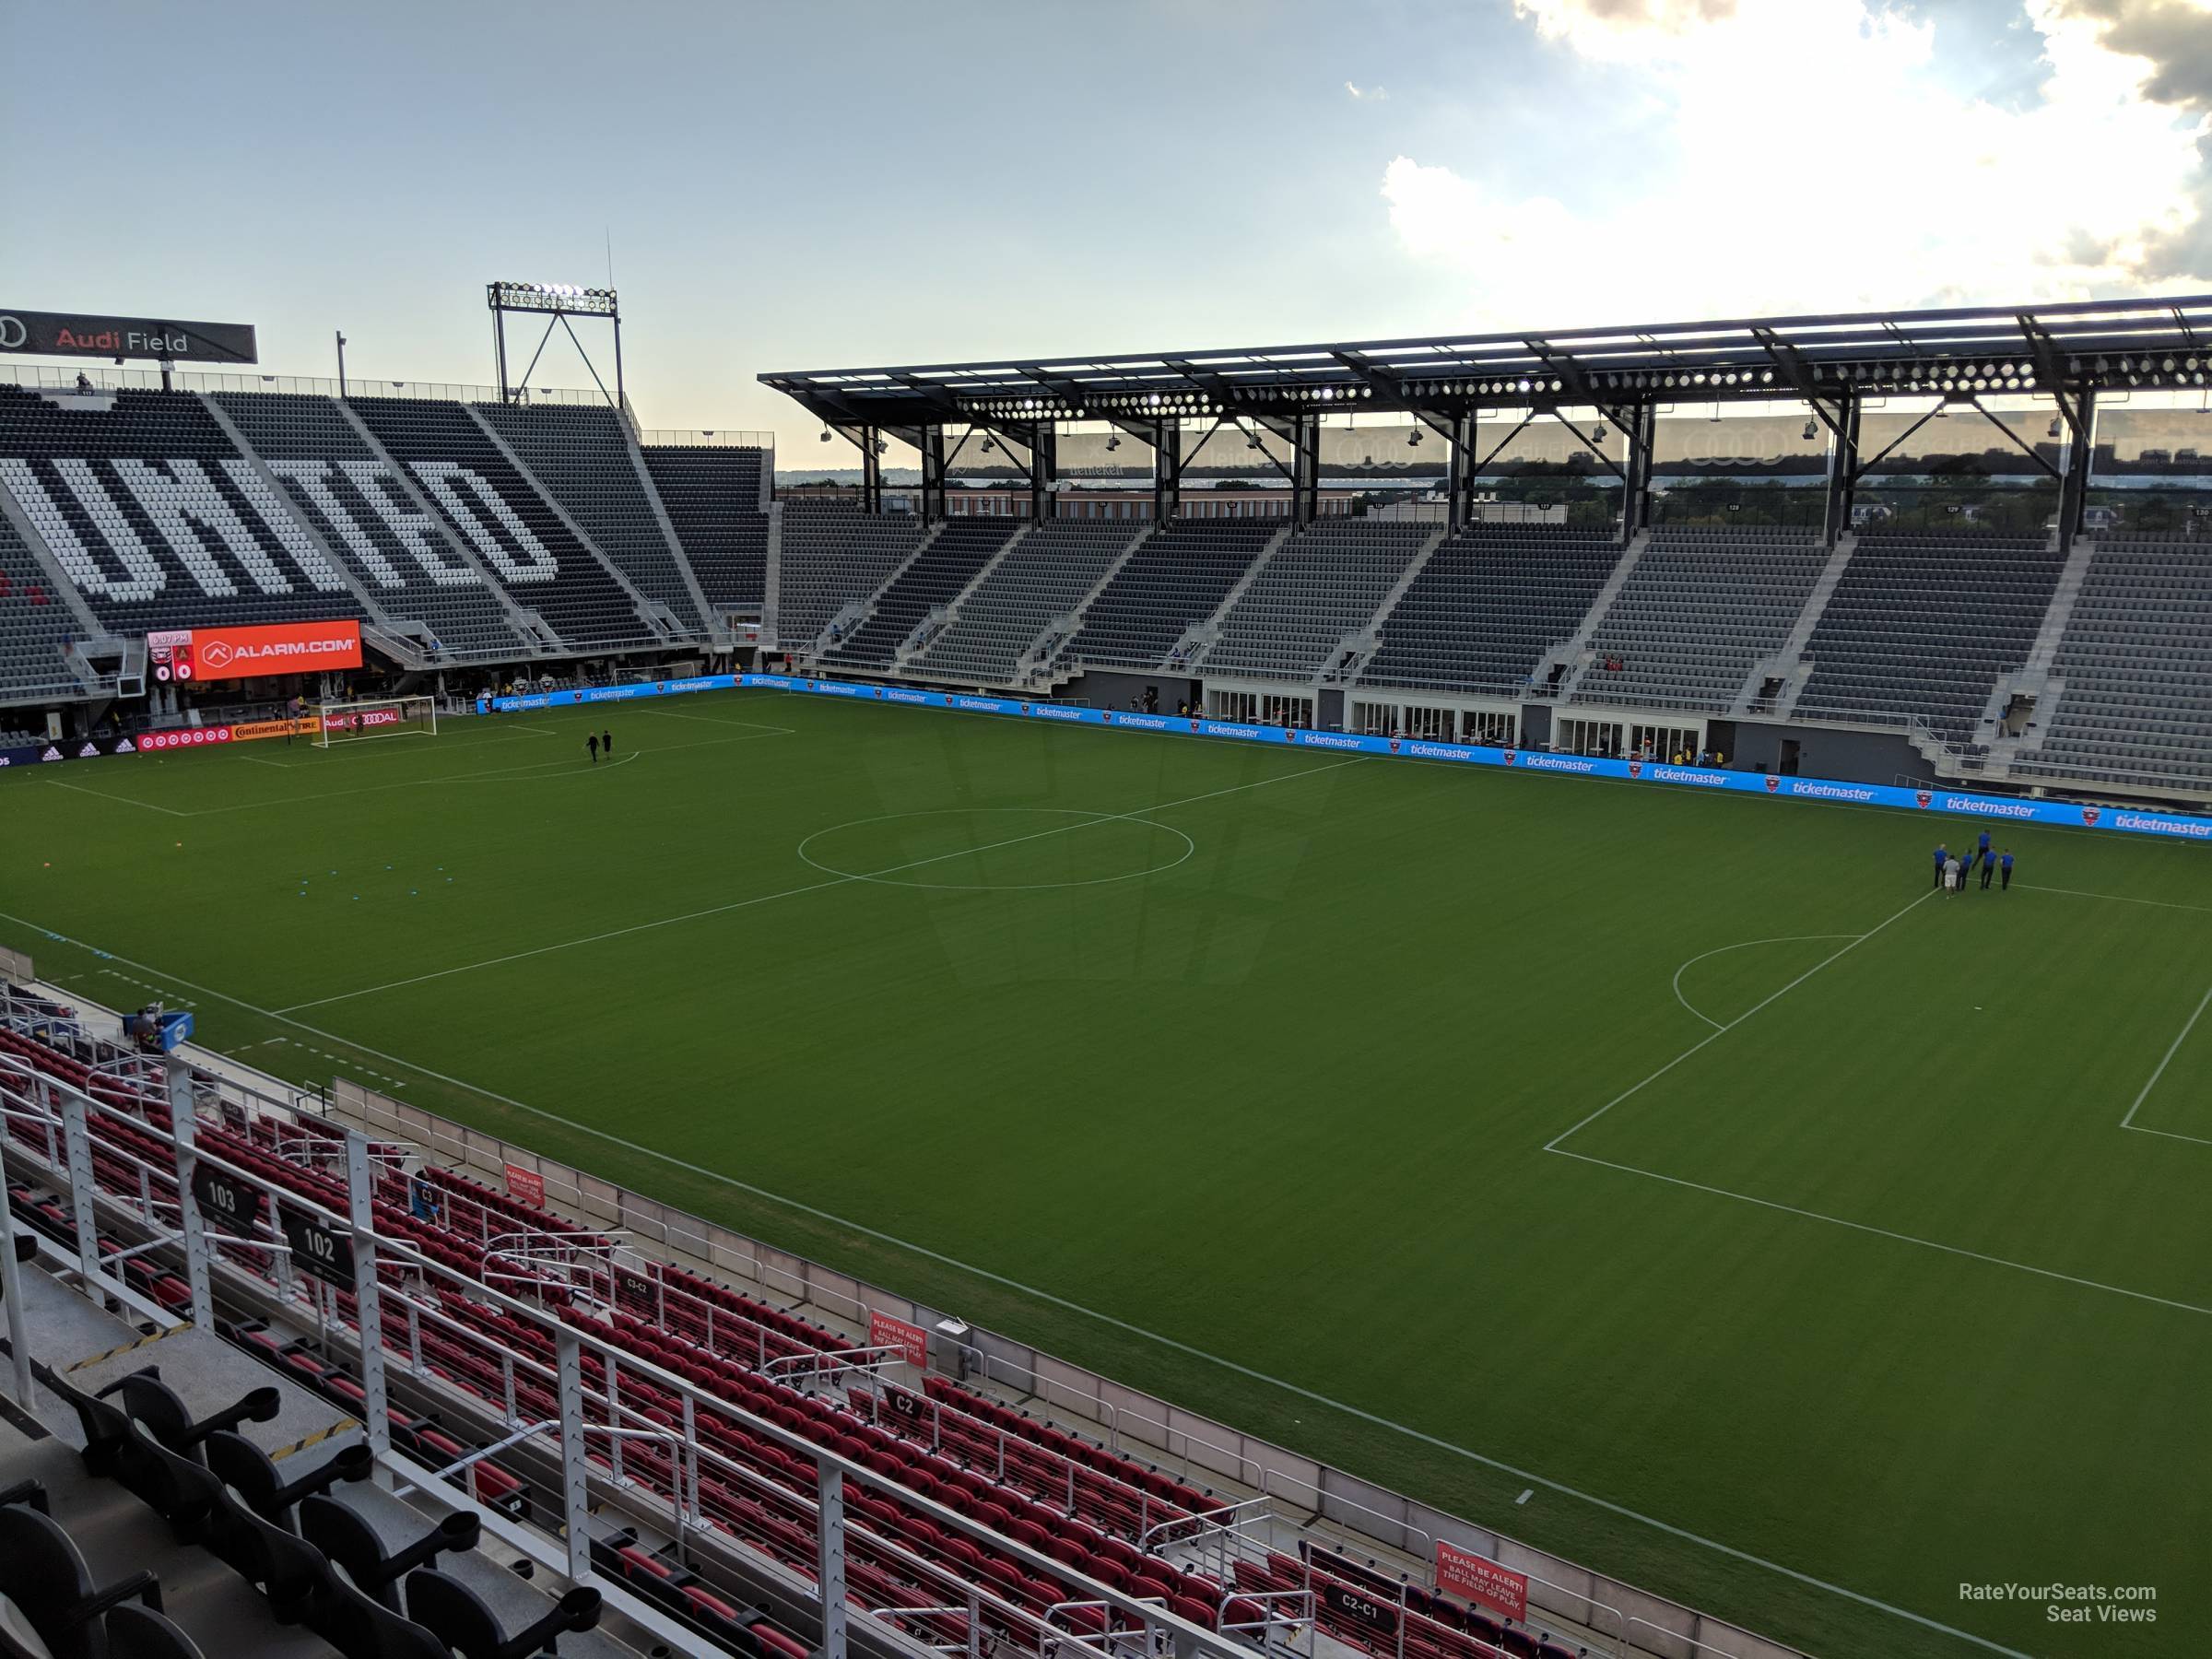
[1954, 869]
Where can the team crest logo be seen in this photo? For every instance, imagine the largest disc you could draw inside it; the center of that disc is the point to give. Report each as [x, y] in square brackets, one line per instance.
[1635, 768]
[2089, 815]
[1194, 725]
[1511, 755]
[1394, 746]
[1289, 736]
[1774, 785]
[1923, 797]
[1025, 708]
[880, 692]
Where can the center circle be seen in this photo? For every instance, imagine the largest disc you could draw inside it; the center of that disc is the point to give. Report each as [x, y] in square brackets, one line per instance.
[1006, 848]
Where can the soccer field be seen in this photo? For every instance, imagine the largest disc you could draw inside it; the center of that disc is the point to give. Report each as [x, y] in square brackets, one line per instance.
[1807, 1244]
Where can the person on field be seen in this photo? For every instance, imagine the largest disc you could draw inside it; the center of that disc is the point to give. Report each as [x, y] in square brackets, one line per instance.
[607, 742]
[2005, 865]
[1989, 867]
[1950, 873]
[1943, 855]
[591, 742]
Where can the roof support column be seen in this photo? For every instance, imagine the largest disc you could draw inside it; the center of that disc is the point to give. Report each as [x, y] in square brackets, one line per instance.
[1641, 432]
[871, 469]
[933, 473]
[2081, 455]
[1459, 474]
[1166, 471]
[1305, 469]
[1044, 472]
[1843, 467]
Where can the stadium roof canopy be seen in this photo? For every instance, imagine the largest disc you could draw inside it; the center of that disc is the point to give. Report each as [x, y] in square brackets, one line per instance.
[2074, 347]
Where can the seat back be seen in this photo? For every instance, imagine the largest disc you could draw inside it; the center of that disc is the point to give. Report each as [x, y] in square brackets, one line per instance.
[42, 1581]
[141, 1633]
[360, 1628]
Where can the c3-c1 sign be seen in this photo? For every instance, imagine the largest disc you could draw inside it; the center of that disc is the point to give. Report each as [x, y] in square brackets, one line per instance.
[1471, 1577]
[89, 334]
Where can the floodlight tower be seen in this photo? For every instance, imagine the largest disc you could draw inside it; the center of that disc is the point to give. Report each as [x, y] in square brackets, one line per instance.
[556, 302]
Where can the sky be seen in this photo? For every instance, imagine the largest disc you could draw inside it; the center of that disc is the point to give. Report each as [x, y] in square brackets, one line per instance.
[814, 186]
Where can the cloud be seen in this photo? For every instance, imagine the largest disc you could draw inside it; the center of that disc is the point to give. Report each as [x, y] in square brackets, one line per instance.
[1367, 94]
[2174, 37]
[1766, 189]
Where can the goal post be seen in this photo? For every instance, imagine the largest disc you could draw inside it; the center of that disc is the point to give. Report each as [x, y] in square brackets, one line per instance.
[375, 717]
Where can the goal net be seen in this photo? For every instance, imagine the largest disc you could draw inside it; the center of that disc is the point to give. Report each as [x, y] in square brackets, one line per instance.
[386, 717]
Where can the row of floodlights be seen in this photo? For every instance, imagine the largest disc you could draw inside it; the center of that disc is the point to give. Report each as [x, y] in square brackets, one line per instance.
[1990, 376]
[557, 290]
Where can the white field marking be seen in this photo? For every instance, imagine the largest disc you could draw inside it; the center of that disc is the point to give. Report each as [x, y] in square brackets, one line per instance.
[1745, 945]
[2172, 1049]
[1719, 1032]
[2119, 898]
[1972, 1255]
[257, 761]
[120, 800]
[1189, 848]
[715, 719]
[1112, 1321]
[812, 887]
[1527, 1494]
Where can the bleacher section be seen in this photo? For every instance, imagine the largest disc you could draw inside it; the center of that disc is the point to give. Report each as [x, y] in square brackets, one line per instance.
[1322, 584]
[948, 564]
[1697, 610]
[717, 499]
[2135, 667]
[157, 518]
[1921, 625]
[515, 533]
[1487, 606]
[581, 456]
[1045, 576]
[406, 560]
[35, 625]
[835, 555]
[1176, 578]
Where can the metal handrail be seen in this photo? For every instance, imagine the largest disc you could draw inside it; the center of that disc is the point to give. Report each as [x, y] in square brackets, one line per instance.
[832, 1465]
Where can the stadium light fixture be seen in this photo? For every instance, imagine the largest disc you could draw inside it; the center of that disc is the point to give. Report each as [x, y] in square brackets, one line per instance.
[552, 297]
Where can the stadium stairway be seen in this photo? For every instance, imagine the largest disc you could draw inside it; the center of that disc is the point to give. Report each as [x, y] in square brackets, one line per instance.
[1789, 664]
[1576, 654]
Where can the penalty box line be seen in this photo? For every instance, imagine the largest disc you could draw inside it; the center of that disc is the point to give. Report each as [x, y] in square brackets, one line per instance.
[1113, 1322]
[1975, 1255]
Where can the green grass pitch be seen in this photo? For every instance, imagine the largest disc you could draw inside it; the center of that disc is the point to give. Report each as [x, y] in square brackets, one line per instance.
[1679, 1160]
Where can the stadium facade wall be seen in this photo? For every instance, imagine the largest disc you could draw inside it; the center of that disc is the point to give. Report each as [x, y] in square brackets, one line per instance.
[1135, 1421]
[1112, 689]
[1826, 751]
